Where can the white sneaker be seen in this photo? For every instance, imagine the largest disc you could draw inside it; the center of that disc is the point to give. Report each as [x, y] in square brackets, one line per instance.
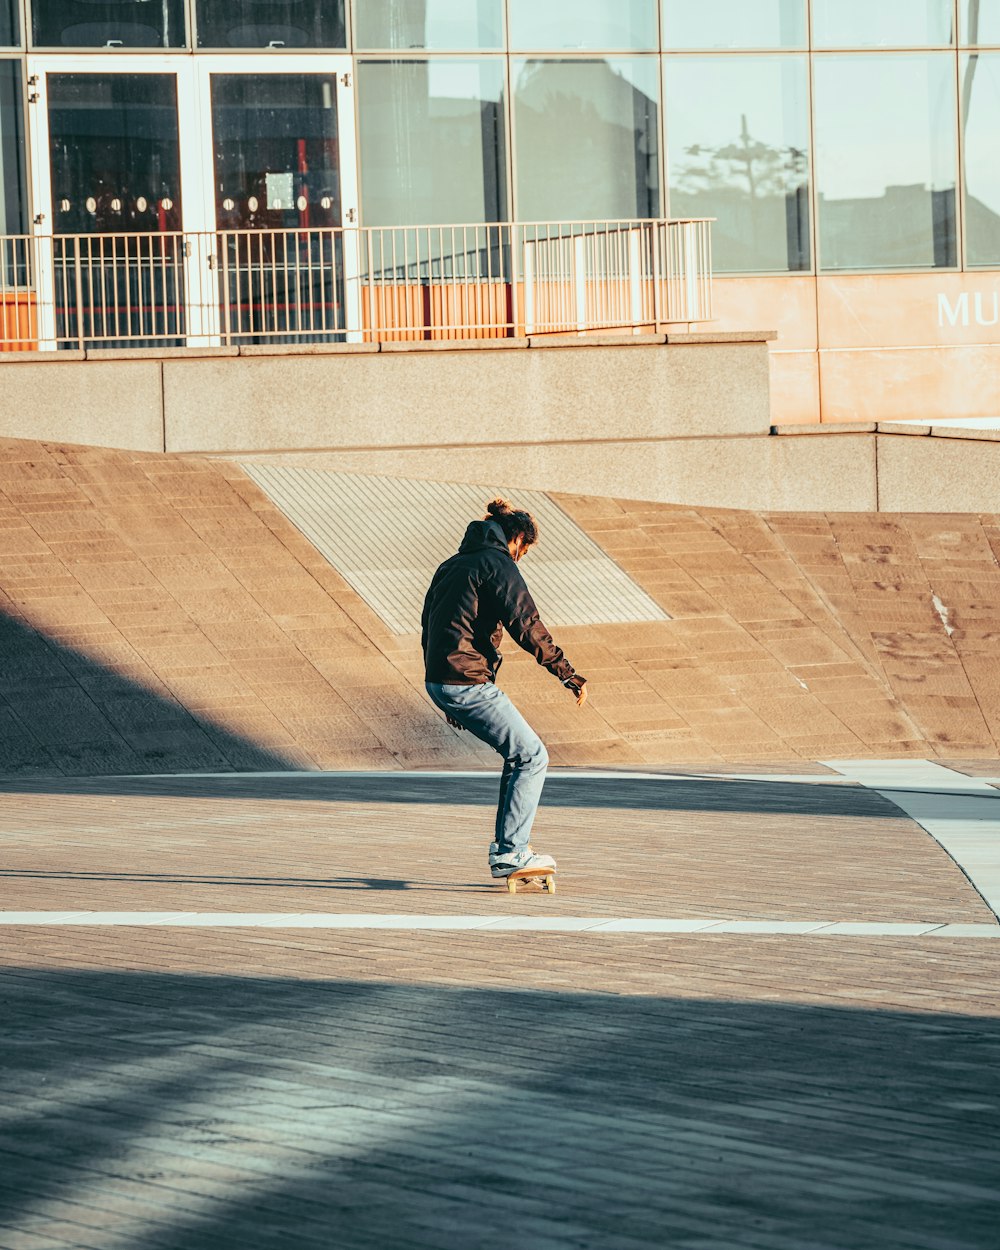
[513, 861]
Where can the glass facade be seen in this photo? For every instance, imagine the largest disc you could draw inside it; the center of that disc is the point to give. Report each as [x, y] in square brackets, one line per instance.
[979, 22]
[980, 79]
[276, 151]
[587, 139]
[822, 135]
[734, 24]
[886, 162]
[738, 146]
[432, 146]
[114, 150]
[583, 25]
[883, 24]
[10, 34]
[434, 25]
[13, 198]
[107, 24]
[271, 24]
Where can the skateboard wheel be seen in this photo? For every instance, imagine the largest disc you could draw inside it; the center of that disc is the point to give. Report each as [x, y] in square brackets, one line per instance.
[511, 885]
[550, 884]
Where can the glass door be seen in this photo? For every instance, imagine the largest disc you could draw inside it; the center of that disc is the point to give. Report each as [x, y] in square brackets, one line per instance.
[283, 189]
[116, 183]
[194, 200]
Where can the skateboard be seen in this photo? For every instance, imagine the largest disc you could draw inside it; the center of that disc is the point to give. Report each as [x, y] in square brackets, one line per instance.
[546, 878]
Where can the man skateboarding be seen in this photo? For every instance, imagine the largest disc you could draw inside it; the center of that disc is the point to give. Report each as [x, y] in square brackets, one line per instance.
[473, 597]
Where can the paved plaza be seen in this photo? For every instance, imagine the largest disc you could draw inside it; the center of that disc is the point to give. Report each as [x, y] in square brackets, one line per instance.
[276, 1011]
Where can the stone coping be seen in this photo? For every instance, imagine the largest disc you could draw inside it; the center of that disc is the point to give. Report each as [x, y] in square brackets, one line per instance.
[890, 427]
[610, 339]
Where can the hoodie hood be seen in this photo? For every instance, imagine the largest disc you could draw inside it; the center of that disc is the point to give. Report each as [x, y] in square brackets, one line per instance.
[481, 534]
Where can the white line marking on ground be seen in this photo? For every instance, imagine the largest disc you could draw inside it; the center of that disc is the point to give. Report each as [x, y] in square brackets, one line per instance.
[950, 806]
[528, 924]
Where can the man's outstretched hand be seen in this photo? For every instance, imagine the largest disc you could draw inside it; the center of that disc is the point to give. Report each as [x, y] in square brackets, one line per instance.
[577, 685]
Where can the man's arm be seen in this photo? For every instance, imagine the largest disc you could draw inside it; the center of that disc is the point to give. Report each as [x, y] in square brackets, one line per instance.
[520, 616]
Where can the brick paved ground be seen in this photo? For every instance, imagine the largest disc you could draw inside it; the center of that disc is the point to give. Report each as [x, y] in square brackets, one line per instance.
[191, 1091]
[739, 849]
[260, 1089]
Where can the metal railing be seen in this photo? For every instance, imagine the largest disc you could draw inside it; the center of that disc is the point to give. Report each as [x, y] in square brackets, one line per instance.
[238, 287]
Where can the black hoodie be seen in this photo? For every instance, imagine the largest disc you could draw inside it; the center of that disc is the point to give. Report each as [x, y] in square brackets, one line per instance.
[472, 598]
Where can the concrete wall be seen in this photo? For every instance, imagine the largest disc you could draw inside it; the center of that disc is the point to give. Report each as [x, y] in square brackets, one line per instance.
[754, 471]
[669, 418]
[552, 389]
[939, 470]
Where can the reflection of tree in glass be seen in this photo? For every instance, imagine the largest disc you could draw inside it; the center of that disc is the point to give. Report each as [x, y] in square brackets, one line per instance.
[757, 191]
[760, 167]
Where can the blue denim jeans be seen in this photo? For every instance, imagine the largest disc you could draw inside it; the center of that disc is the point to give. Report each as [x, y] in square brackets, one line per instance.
[487, 712]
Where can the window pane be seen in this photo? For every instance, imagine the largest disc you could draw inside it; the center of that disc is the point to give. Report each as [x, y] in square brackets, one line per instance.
[587, 140]
[981, 100]
[557, 25]
[432, 142]
[885, 161]
[13, 194]
[115, 153]
[882, 24]
[271, 24]
[734, 24]
[980, 21]
[107, 23]
[438, 24]
[274, 138]
[738, 150]
[9, 26]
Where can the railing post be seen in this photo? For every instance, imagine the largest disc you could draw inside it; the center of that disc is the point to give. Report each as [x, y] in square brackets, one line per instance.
[201, 288]
[635, 279]
[529, 285]
[45, 291]
[516, 267]
[78, 275]
[657, 295]
[352, 285]
[580, 283]
[691, 301]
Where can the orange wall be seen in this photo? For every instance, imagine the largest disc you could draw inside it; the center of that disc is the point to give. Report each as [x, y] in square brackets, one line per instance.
[874, 346]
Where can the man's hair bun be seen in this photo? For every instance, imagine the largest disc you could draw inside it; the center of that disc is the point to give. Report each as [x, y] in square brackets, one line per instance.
[513, 521]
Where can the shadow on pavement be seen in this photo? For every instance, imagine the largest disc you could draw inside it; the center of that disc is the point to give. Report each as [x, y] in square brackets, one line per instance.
[179, 1112]
[621, 792]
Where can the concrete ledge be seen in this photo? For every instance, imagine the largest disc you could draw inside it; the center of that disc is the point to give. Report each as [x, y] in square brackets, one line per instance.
[309, 349]
[158, 353]
[972, 435]
[620, 338]
[846, 427]
[897, 427]
[894, 428]
[454, 345]
[46, 358]
[722, 336]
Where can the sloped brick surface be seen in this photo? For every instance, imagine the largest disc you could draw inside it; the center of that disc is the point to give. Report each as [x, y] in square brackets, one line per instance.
[159, 614]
